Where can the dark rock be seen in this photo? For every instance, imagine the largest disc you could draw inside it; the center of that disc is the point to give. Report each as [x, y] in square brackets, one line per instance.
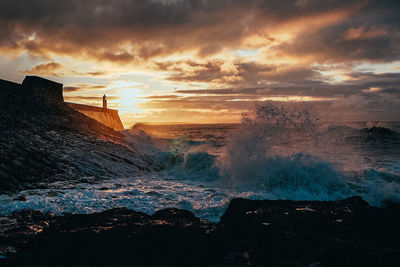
[347, 232]
[177, 216]
[250, 233]
[52, 193]
[21, 198]
[44, 140]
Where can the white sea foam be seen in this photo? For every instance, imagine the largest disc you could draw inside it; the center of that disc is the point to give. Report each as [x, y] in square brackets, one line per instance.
[278, 152]
[147, 193]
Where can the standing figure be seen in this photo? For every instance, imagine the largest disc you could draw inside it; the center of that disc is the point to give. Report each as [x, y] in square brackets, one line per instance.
[104, 102]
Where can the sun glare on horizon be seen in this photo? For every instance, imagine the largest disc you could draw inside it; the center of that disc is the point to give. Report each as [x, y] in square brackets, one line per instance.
[210, 67]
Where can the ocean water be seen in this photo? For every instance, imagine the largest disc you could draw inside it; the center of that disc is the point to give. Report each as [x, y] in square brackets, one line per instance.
[278, 151]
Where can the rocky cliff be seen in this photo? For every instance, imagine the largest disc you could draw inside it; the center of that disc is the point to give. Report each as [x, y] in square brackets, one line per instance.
[43, 140]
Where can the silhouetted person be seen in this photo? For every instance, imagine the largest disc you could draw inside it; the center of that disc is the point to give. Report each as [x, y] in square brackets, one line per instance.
[104, 102]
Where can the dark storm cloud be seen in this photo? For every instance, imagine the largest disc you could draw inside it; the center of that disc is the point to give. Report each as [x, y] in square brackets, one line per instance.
[156, 27]
[331, 45]
[240, 73]
[360, 83]
[372, 34]
[99, 28]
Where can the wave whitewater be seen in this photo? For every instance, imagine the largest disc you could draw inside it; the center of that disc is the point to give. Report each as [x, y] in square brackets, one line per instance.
[281, 151]
[278, 151]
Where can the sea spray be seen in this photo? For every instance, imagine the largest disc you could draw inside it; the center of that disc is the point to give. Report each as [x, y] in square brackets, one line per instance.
[188, 161]
[278, 152]
[252, 158]
[282, 151]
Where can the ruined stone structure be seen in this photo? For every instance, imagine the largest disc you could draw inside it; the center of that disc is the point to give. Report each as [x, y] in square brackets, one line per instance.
[8, 92]
[41, 93]
[34, 91]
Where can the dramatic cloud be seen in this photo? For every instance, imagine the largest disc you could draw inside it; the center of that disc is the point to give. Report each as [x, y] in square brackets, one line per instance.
[190, 56]
[83, 87]
[237, 74]
[122, 30]
[372, 34]
[47, 69]
[56, 69]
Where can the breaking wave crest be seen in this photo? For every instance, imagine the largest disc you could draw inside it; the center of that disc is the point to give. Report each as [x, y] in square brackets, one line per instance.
[281, 151]
[258, 156]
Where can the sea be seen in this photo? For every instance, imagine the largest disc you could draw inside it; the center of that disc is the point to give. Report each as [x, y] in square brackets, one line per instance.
[276, 152]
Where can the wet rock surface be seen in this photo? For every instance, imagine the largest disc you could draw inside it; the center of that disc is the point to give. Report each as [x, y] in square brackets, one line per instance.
[39, 145]
[250, 233]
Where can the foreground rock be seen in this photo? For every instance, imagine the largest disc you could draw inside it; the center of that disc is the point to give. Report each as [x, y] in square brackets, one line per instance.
[250, 233]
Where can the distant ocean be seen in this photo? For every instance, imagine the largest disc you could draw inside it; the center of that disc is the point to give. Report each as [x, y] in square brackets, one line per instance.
[357, 145]
[203, 166]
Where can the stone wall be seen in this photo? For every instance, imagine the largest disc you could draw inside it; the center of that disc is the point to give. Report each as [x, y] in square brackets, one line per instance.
[10, 93]
[39, 93]
[108, 117]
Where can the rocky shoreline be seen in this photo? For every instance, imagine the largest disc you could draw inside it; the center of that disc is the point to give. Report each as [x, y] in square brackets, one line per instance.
[43, 145]
[42, 141]
[250, 233]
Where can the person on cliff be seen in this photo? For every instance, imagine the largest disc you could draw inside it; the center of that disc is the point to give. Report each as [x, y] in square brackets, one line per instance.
[104, 102]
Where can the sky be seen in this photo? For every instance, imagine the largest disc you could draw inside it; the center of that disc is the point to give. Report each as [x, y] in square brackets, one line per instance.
[209, 61]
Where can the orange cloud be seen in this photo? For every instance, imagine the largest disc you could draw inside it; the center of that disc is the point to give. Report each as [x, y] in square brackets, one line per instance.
[362, 34]
[57, 70]
[46, 69]
[197, 47]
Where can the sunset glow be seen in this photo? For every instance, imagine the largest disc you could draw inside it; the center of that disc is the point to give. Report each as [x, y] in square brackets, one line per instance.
[199, 133]
[209, 61]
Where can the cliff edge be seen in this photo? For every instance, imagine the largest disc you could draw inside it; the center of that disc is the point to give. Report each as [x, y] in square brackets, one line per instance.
[43, 140]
